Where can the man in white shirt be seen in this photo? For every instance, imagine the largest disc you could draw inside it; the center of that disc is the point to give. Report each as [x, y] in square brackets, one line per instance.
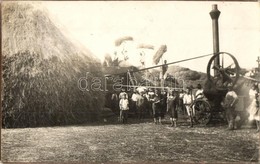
[134, 100]
[187, 101]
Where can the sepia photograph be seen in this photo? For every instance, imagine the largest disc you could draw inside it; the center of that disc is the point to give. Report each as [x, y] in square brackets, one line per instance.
[130, 81]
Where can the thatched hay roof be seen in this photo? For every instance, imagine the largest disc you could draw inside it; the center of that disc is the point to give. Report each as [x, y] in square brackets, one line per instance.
[41, 71]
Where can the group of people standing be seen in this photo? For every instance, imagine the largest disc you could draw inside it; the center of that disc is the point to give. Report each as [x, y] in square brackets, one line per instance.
[143, 104]
[155, 103]
[233, 117]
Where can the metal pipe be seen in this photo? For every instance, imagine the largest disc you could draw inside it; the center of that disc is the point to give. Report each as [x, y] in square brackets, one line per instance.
[214, 14]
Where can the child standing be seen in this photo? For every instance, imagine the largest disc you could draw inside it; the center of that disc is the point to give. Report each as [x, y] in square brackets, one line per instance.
[124, 107]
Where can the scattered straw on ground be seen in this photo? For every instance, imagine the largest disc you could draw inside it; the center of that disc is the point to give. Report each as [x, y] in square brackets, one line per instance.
[137, 142]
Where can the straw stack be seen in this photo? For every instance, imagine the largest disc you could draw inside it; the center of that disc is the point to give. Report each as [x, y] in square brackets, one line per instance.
[41, 69]
[159, 53]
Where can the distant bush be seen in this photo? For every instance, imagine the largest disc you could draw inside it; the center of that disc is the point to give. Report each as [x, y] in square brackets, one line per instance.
[192, 75]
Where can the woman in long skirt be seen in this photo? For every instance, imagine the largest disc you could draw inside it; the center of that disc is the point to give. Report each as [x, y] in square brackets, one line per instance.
[172, 106]
[156, 106]
[254, 113]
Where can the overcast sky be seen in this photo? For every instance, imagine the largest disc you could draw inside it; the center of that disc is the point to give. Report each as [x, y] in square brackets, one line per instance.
[185, 27]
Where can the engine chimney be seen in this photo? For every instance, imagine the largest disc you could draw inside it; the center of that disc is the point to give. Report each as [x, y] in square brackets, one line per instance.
[214, 14]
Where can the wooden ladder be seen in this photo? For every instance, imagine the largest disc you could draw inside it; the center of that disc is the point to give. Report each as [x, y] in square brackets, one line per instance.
[131, 78]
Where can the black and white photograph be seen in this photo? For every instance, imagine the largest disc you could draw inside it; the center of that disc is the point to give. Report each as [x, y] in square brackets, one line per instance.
[130, 81]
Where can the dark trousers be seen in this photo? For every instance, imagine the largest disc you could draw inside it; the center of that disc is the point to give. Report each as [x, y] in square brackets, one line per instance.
[125, 115]
[140, 112]
[115, 107]
[150, 108]
[134, 107]
[156, 111]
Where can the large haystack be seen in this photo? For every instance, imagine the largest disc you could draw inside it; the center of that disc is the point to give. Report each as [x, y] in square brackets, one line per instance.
[41, 69]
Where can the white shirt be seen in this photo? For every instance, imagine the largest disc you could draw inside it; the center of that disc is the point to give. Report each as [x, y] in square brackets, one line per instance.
[199, 94]
[181, 95]
[252, 93]
[150, 95]
[123, 104]
[187, 99]
[231, 94]
[230, 98]
[134, 97]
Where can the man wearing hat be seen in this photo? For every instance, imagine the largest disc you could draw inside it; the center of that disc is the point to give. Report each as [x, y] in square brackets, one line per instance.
[187, 101]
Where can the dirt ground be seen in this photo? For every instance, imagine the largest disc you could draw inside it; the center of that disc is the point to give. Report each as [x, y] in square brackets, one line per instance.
[134, 142]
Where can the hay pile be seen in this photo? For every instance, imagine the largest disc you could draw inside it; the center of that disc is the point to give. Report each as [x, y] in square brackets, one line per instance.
[41, 69]
[159, 53]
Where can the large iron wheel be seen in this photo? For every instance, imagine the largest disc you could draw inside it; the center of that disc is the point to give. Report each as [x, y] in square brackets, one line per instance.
[225, 73]
[202, 111]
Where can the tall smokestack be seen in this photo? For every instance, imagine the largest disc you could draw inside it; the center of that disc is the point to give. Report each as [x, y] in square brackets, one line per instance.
[214, 14]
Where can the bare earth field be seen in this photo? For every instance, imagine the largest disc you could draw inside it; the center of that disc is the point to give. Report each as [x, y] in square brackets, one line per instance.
[134, 142]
